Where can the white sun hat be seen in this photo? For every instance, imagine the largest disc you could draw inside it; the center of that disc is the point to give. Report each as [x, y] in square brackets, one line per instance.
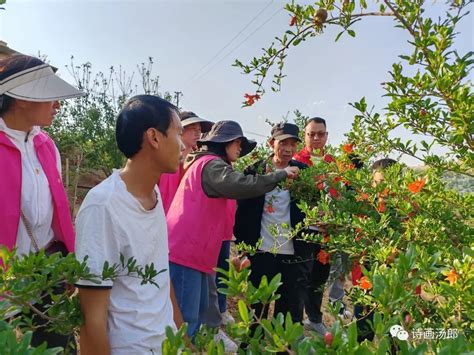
[188, 118]
[30, 79]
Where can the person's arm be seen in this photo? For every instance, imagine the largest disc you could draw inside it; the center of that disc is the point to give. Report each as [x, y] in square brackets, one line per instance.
[96, 239]
[93, 333]
[220, 180]
[177, 316]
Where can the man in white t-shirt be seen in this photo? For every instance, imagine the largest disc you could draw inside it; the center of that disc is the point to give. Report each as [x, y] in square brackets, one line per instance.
[124, 215]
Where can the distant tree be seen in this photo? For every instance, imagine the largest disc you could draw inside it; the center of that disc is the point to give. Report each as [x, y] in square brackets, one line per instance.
[84, 130]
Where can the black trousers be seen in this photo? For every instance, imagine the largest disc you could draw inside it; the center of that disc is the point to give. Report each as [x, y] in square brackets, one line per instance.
[53, 340]
[313, 297]
[295, 278]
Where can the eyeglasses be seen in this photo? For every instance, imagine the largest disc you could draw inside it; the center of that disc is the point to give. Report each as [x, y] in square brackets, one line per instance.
[314, 134]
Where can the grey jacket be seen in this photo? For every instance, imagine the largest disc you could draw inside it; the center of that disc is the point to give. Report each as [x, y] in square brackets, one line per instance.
[219, 179]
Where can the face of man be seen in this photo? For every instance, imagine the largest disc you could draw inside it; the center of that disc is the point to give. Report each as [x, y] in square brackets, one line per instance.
[170, 146]
[284, 150]
[191, 135]
[315, 136]
[377, 177]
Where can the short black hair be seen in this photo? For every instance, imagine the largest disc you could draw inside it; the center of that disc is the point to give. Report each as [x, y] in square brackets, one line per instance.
[382, 164]
[315, 120]
[140, 113]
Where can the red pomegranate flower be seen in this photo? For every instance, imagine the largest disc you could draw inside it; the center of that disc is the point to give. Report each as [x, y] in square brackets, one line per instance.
[381, 207]
[323, 257]
[250, 99]
[416, 186]
[348, 148]
[328, 158]
[333, 192]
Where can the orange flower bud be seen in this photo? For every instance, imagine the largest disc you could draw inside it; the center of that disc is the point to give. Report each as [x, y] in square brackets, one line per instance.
[245, 263]
[365, 283]
[293, 20]
[452, 276]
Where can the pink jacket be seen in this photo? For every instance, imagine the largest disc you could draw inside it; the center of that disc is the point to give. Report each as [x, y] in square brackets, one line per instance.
[197, 224]
[168, 185]
[10, 191]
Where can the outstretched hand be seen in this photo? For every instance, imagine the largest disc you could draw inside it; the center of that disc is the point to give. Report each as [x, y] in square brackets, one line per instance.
[292, 172]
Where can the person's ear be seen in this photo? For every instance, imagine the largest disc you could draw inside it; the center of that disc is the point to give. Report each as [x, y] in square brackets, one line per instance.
[21, 103]
[153, 137]
[270, 142]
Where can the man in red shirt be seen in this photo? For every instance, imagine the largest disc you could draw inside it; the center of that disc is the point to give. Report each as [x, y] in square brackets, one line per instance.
[315, 138]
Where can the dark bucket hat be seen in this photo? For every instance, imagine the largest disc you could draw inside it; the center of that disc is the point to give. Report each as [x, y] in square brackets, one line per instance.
[227, 131]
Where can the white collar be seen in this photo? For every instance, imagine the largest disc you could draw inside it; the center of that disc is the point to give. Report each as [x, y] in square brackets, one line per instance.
[16, 135]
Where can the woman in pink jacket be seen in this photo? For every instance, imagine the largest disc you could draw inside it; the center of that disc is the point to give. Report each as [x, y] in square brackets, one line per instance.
[34, 209]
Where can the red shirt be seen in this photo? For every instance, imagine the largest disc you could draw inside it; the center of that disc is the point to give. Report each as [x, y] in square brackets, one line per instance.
[303, 156]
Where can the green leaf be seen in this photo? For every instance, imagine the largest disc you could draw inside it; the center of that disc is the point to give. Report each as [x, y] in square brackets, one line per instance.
[352, 335]
[243, 311]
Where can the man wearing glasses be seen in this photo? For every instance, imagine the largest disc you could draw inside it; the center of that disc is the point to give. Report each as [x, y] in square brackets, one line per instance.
[315, 138]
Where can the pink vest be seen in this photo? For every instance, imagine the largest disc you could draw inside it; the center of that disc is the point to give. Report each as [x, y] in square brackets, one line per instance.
[197, 224]
[168, 185]
[10, 190]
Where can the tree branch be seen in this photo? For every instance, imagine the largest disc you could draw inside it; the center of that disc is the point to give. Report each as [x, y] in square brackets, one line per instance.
[22, 303]
[271, 60]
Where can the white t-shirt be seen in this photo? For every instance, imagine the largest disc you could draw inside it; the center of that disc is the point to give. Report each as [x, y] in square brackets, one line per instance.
[36, 199]
[276, 223]
[111, 222]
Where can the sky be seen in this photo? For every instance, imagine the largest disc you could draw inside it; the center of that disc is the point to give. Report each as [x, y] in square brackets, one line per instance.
[182, 36]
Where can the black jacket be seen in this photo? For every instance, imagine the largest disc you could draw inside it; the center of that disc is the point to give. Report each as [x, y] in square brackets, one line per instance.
[248, 218]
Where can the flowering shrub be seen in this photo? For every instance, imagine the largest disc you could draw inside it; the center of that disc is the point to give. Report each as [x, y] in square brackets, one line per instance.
[411, 235]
